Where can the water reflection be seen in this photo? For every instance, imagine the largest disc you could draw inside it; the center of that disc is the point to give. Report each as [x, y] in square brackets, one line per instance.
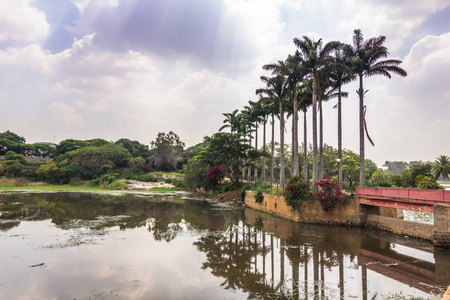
[199, 250]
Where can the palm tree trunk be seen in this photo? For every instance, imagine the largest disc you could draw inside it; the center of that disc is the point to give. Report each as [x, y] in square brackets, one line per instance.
[255, 176]
[295, 163]
[339, 139]
[362, 169]
[320, 140]
[272, 150]
[305, 148]
[282, 175]
[264, 149]
[249, 174]
[315, 174]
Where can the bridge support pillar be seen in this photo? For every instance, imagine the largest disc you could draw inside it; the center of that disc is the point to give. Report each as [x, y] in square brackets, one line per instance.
[441, 232]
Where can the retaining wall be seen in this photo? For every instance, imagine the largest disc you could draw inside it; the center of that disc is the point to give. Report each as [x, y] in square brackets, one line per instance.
[354, 214]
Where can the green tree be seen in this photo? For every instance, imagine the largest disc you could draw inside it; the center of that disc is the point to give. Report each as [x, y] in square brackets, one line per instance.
[340, 75]
[167, 150]
[276, 91]
[9, 141]
[427, 182]
[195, 174]
[367, 60]
[441, 167]
[230, 151]
[10, 155]
[316, 59]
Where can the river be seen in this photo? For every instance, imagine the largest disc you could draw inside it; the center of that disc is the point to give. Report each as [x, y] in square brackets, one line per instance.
[173, 246]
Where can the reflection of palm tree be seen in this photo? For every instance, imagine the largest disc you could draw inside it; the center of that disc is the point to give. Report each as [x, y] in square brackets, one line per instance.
[441, 167]
[366, 60]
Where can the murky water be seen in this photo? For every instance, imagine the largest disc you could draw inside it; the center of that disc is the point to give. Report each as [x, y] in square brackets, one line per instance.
[87, 246]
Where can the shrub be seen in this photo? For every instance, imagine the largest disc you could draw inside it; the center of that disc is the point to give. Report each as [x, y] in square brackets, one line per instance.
[329, 194]
[11, 155]
[178, 183]
[427, 182]
[214, 176]
[259, 197]
[297, 191]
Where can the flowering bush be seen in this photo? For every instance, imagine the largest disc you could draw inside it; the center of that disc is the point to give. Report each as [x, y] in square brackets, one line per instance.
[297, 191]
[214, 176]
[146, 168]
[329, 195]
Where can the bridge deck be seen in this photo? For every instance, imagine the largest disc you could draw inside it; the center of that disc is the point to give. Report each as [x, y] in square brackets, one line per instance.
[411, 199]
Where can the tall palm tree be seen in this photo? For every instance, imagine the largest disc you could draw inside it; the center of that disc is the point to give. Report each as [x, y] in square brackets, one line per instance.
[367, 60]
[232, 121]
[441, 167]
[255, 117]
[305, 97]
[316, 59]
[292, 69]
[276, 91]
[342, 74]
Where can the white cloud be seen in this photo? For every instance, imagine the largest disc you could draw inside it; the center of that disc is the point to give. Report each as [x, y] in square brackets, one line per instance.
[20, 21]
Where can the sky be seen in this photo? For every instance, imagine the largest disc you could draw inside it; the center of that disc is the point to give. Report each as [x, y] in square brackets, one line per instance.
[114, 69]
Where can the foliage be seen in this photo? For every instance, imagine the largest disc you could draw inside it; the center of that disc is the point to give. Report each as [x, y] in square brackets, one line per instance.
[441, 167]
[13, 168]
[214, 176]
[69, 145]
[297, 191]
[178, 183]
[427, 182]
[329, 194]
[136, 163]
[9, 141]
[230, 151]
[259, 197]
[395, 167]
[144, 177]
[243, 193]
[167, 149]
[194, 174]
[10, 155]
[92, 158]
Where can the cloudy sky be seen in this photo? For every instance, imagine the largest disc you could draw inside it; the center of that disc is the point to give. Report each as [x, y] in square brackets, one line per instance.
[132, 68]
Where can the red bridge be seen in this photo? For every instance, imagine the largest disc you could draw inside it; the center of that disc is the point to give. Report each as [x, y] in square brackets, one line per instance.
[409, 199]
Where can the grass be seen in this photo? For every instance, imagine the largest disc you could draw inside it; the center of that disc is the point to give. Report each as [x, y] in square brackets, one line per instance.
[48, 188]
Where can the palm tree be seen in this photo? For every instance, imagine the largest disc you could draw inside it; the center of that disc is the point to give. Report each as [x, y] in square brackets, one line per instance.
[305, 100]
[441, 167]
[366, 57]
[341, 75]
[233, 120]
[316, 59]
[276, 91]
[294, 72]
[254, 117]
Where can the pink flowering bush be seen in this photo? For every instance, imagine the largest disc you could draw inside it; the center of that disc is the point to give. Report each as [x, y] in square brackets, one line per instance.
[214, 176]
[297, 191]
[329, 195]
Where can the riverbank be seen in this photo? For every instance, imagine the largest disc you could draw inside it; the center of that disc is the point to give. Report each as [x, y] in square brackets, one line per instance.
[7, 185]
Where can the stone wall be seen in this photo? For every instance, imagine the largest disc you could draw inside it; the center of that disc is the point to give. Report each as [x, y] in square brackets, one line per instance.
[441, 233]
[398, 226]
[309, 212]
[353, 214]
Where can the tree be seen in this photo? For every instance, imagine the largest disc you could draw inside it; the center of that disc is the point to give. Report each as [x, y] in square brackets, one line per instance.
[230, 151]
[366, 57]
[167, 150]
[341, 75]
[294, 72]
[232, 121]
[276, 92]
[316, 59]
[195, 174]
[9, 141]
[441, 167]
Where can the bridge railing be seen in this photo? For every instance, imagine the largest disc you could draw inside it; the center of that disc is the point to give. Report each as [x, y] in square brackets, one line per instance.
[428, 197]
